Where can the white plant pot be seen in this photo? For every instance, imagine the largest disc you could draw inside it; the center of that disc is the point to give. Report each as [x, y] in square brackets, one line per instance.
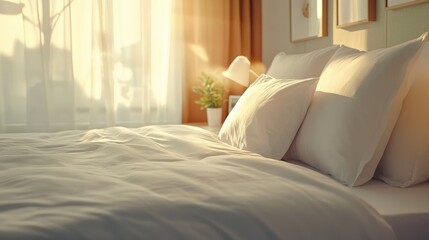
[214, 116]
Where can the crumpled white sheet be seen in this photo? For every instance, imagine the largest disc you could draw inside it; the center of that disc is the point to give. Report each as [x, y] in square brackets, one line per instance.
[167, 182]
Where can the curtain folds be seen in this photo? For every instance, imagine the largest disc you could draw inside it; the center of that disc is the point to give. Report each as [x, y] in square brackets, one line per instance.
[215, 33]
[79, 64]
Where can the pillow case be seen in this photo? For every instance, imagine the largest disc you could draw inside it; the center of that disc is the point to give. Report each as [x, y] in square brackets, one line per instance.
[354, 109]
[405, 161]
[267, 116]
[300, 66]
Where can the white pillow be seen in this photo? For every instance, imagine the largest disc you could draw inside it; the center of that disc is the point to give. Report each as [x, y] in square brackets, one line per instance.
[406, 159]
[354, 109]
[267, 116]
[300, 66]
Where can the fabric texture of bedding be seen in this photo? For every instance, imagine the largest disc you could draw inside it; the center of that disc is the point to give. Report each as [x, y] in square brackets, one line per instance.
[266, 118]
[167, 182]
[357, 101]
[405, 161]
[405, 209]
[299, 66]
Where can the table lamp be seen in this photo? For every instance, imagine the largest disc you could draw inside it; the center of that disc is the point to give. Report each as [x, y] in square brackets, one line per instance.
[238, 71]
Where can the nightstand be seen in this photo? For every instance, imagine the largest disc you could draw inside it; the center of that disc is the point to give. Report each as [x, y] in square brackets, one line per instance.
[204, 125]
[232, 100]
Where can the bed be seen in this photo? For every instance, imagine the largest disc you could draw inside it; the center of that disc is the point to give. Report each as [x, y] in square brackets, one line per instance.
[406, 210]
[343, 115]
[167, 182]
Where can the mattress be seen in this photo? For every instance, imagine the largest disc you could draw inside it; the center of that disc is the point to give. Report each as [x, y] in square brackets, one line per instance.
[405, 209]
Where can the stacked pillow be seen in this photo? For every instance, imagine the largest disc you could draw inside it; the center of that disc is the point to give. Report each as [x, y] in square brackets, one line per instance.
[268, 115]
[406, 159]
[353, 112]
[354, 109]
[300, 66]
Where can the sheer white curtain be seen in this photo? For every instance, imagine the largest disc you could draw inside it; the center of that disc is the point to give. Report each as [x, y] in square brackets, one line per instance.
[78, 64]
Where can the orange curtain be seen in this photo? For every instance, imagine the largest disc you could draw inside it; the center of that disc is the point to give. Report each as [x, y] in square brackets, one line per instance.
[215, 33]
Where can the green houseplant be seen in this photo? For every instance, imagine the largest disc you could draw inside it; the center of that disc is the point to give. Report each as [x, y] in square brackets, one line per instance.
[212, 93]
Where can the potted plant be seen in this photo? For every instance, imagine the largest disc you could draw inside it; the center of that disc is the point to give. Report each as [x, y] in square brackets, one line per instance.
[212, 96]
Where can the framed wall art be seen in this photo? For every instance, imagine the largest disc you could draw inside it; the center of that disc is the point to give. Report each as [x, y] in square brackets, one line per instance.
[308, 19]
[396, 4]
[354, 12]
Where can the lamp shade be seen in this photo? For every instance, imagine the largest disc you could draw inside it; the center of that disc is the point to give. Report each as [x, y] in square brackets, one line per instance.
[238, 71]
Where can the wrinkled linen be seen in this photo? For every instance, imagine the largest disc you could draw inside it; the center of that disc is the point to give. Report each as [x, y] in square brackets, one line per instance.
[167, 182]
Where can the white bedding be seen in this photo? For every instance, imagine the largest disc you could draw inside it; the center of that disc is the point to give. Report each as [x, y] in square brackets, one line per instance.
[405, 209]
[167, 182]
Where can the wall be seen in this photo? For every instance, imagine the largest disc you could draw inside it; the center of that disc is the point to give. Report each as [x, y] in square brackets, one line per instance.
[276, 31]
[407, 23]
[366, 36]
[390, 28]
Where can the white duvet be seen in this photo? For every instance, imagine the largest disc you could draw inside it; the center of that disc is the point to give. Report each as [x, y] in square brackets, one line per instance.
[167, 182]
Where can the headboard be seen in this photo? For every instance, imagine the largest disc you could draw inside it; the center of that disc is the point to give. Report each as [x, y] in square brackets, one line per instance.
[390, 28]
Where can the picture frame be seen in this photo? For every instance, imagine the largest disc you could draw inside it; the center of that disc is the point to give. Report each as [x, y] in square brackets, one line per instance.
[397, 4]
[355, 12]
[308, 19]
